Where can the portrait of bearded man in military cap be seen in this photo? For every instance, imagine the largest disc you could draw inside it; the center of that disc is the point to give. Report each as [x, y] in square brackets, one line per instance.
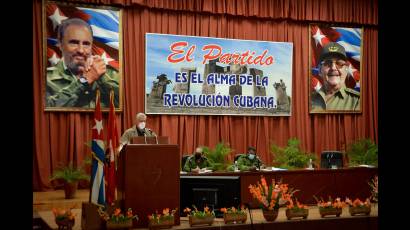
[336, 90]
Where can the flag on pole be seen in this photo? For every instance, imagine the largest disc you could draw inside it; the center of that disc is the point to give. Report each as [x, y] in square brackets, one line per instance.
[112, 141]
[97, 194]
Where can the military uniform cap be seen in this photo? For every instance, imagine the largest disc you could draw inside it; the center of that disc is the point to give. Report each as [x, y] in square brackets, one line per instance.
[333, 49]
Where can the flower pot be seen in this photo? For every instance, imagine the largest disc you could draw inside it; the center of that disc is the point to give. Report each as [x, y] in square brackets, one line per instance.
[292, 213]
[70, 189]
[270, 215]
[206, 220]
[168, 223]
[121, 225]
[235, 218]
[65, 224]
[330, 211]
[359, 210]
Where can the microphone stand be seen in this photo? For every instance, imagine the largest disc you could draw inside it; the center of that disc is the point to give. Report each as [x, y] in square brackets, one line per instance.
[250, 214]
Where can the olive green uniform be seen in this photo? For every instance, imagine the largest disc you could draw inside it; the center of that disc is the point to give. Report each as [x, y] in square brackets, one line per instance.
[134, 132]
[344, 99]
[64, 89]
[244, 163]
[191, 163]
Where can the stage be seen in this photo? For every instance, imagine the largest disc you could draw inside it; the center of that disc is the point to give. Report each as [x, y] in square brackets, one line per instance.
[43, 202]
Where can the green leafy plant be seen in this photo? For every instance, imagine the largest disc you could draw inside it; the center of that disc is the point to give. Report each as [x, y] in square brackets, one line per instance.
[291, 157]
[217, 156]
[363, 152]
[70, 173]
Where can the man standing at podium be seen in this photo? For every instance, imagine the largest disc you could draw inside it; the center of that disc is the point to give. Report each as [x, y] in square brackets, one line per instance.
[138, 129]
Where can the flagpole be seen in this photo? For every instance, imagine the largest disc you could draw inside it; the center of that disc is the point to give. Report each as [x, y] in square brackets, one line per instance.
[92, 158]
[112, 144]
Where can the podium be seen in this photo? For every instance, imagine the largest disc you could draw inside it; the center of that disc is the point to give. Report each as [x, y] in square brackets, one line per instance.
[148, 179]
[150, 140]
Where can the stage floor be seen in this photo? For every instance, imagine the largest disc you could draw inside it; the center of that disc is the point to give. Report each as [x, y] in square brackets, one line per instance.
[43, 202]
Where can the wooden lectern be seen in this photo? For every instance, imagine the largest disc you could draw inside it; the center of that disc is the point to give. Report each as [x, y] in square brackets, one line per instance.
[150, 140]
[148, 178]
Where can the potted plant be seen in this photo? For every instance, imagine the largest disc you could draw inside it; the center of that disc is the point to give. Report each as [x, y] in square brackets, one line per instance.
[234, 215]
[65, 219]
[164, 220]
[70, 175]
[197, 217]
[330, 207]
[298, 210]
[217, 156]
[118, 220]
[271, 197]
[358, 207]
[363, 152]
[291, 157]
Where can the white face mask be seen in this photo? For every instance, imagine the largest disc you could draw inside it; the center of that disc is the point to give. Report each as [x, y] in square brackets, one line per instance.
[251, 156]
[141, 125]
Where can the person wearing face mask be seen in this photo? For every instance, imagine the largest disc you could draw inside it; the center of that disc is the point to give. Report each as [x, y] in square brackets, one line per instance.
[334, 95]
[138, 129]
[250, 161]
[196, 162]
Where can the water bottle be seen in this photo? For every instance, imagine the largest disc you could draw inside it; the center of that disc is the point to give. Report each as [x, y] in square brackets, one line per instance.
[236, 165]
[310, 164]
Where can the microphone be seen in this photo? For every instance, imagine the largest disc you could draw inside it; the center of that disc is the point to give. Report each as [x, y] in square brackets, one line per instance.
[248, 205]
[155, 135]
[258, 164]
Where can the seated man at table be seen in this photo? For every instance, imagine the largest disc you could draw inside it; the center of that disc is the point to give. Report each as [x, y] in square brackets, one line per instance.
[196, 162]
[249, 161]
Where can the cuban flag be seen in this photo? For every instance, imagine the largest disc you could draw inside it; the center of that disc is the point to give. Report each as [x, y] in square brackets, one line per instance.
[350, 39]
[104, 24]
[97, 148]
[113, 142]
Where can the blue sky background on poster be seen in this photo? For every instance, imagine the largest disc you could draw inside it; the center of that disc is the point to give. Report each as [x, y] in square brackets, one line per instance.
[158, 49]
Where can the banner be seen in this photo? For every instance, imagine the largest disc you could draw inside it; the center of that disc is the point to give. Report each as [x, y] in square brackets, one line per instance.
[214, 76]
